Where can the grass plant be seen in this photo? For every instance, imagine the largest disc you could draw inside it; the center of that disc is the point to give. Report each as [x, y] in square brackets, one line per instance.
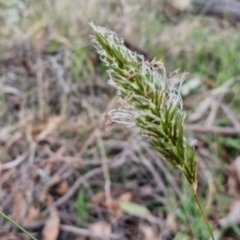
[150, 101]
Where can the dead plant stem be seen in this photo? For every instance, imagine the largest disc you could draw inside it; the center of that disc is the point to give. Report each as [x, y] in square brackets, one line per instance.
[106, 174]
[107, 186]
[41, 102]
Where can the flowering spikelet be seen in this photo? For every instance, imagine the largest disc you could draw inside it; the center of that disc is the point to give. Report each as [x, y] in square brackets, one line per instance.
[148, 100]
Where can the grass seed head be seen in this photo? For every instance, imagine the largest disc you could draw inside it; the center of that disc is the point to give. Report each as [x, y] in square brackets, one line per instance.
[148, 100]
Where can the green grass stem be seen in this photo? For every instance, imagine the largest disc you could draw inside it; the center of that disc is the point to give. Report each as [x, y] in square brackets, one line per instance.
[17, 226]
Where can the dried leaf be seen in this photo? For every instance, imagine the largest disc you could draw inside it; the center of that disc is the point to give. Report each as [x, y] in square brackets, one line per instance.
[232, 186]
[98, 198]
[33, 214]
[51, 125]
[171, 222]
[101, 229]
[19, 207]
[148, 233]
[181, 5]
[125, 197]
[135, 209]
[187, 238]
[51, 228]
[61, 188]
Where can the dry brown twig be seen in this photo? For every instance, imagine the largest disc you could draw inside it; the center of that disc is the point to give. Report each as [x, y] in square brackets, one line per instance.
[14, 163]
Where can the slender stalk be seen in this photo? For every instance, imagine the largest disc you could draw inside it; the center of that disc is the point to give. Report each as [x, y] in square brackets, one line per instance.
[17, 225]
[202, 212]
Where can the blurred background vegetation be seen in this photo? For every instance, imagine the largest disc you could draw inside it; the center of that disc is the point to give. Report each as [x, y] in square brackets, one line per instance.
[57, 159]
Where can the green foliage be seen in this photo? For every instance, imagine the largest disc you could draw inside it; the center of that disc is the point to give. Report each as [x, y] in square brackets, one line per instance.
[134, 209]
[78, 58]
[81, 207]
[179, 236]
[234, 143]
[209, 54]
[188, 212]
[236, 229]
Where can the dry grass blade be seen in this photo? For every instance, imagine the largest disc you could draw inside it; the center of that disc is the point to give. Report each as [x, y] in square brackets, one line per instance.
[87, 233]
